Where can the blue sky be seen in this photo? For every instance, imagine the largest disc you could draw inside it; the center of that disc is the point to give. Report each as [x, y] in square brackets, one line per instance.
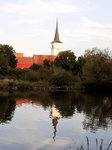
[29, 25]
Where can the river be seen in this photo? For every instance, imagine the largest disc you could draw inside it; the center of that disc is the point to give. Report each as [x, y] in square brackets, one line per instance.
[55, 121]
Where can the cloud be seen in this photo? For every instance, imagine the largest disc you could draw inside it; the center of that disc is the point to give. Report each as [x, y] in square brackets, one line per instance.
[24, 21]
[35, 11]
[88, 34]
[37, 6]
[93, 24]
[40, 33]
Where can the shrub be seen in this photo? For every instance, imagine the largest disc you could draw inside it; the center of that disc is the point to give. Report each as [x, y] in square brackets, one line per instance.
[66, 60]
[62, 78]
[18, 73]
[22, 85]
[31, 76]
[3, 70]
[35, 67]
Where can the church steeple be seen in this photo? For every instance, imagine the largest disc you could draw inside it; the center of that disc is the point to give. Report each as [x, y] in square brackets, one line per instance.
[56, 37]
[56, 45]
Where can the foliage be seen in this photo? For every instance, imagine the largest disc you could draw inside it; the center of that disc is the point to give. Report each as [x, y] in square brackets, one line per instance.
[96, 51]
[62, 78]
[97, 70]
[18, 73]
[47, 63]
[66, 60]
[3, 60]
[3, 70]
[35, 67]
[99, 146]
[31, 76]
[94, 69]
[3, 64]
[44, 73]
[8, 52]
[80, 63]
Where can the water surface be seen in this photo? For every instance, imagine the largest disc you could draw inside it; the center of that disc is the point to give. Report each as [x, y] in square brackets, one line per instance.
[54, 121]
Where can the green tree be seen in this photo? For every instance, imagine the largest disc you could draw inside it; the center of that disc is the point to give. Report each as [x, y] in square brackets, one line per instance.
[96, 51]
[35, 67]
[3, 64]
[47, 63]
[66, 60]
[62, 78]
[8, 52]
[97, 70]
[80, 63]
[3, 60]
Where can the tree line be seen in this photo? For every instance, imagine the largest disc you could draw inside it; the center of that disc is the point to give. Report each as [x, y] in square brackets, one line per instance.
[92, 70]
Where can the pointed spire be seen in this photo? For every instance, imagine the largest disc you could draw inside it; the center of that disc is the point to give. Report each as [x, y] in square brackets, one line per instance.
[55, 122]
[56, 37]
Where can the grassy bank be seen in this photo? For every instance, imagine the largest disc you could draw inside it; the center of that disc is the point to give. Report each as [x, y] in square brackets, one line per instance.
[64, 73]
[16, 85]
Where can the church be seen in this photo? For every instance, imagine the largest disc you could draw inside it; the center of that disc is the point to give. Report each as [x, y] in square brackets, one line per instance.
[56, 47]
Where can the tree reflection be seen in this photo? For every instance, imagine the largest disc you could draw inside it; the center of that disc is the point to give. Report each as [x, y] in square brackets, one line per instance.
[7, 107]
[97, 108]
[99, 116]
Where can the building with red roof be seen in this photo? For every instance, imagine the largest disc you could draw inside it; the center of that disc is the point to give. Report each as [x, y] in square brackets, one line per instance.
[56, 47]
[24, 62]
[38, 59]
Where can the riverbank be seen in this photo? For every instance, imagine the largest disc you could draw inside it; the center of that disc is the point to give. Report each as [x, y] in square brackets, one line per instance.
[18, 85]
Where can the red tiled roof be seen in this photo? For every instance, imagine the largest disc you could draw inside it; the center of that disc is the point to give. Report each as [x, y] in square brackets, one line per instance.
[20, 102]
[24, 62]
[38, 59]
[18, 54]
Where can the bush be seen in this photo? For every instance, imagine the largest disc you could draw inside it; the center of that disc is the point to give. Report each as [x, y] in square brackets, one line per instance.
[35, 67]
[18, 73]
[62, 78]
[31, 76]
[23, 85]
[3, 70]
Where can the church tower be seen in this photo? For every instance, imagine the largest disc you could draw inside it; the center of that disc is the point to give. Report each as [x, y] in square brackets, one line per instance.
[56, 45]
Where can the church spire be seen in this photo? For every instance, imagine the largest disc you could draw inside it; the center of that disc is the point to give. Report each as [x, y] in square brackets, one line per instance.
[56, 37]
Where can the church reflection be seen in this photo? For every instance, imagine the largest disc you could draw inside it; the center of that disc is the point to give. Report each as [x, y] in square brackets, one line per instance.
[96, 109]
[53, 111]
[55, 116]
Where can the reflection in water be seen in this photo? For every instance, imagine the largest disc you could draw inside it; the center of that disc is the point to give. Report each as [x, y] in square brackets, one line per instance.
[55, 116]
[7, 107]
[100, 117]
[82, 115]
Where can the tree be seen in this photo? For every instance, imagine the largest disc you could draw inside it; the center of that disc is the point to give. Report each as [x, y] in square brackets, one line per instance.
[96, 51]
[62, 78]
[97, 71]
[47, 63]
[3, 64]
[35, 67]
[80, 63]
[3, 60]
[8, 52]
[66, 60]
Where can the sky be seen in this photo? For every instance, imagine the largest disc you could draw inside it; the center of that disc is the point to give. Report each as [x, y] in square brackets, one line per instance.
[29, 25]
